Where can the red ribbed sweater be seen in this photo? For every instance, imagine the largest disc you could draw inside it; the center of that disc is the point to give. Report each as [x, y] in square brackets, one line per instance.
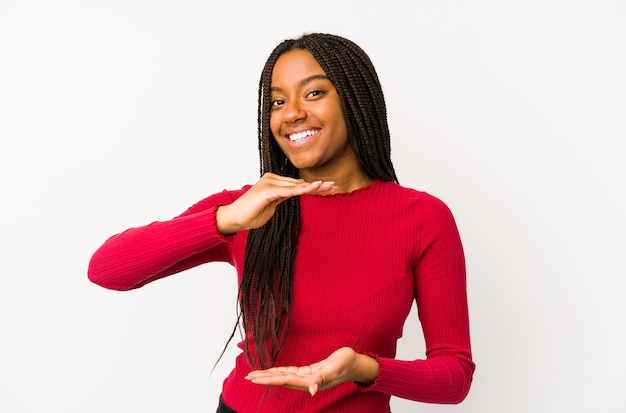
[362, 259]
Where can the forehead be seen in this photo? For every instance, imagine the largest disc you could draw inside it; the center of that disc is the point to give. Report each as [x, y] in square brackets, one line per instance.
[293, 67]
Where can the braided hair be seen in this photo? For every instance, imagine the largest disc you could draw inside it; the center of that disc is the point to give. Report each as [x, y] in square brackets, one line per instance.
[265, 293]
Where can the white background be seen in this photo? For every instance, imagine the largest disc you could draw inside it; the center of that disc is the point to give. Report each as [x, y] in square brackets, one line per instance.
[117, 113]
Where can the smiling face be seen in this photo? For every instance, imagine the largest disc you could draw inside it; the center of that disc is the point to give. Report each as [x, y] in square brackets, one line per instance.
[307, 119]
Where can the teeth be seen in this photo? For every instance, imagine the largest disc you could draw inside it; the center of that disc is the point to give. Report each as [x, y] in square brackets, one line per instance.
[301, 135]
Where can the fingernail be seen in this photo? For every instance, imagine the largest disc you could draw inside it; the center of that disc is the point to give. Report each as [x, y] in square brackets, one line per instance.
[316, 182]
[313, 389]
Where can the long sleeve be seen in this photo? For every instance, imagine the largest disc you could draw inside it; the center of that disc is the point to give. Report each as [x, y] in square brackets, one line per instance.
[363, 259]
[445, 375]
[147, 253]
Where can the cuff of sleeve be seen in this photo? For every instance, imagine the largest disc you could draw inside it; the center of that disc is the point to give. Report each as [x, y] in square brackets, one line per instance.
[212, 212]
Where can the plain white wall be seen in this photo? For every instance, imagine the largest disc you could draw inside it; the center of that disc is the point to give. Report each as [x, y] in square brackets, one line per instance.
[117, 113]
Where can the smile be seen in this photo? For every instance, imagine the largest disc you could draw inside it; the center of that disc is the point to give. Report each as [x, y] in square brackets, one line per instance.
[301, 135]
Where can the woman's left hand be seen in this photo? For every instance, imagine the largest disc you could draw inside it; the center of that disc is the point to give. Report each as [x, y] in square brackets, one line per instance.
[343, 365]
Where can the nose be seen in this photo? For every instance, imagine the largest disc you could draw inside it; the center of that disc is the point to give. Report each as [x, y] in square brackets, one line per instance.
[294, 111]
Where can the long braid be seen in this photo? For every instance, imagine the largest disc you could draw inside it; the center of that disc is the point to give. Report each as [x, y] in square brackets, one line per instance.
[265, 293]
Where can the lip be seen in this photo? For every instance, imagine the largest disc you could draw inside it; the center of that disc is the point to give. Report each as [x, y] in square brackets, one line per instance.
[301, 142]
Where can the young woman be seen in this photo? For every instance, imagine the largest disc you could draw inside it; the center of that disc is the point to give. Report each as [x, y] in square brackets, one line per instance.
[330, 250]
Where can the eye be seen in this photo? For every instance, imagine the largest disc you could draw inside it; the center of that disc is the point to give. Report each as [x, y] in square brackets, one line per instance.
[315, 93]
[277, 102]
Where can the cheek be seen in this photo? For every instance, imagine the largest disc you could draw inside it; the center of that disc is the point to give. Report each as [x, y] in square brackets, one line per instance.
[335, 112]
[339, 127]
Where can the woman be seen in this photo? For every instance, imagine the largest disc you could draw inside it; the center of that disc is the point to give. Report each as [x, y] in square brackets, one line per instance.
[330, 250]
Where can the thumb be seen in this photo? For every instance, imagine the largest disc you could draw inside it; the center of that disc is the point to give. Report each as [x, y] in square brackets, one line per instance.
[318, 380]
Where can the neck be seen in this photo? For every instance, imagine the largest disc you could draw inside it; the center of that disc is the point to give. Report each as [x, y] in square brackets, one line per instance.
[346, 181]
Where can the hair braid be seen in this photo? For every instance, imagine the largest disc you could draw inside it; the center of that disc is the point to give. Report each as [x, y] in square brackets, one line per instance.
[265, 293]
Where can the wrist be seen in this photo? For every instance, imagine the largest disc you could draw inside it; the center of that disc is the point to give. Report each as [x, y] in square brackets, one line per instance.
[225, 224]
[367, 369]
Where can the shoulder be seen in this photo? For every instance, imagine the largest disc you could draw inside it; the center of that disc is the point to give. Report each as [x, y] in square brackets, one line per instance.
[416, 208]
[421, 200]
[428, 215]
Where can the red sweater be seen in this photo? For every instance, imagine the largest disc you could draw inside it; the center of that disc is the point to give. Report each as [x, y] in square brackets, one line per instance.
[362, 259]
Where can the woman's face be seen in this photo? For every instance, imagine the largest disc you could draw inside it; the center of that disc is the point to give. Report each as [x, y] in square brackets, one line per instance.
[307, 118]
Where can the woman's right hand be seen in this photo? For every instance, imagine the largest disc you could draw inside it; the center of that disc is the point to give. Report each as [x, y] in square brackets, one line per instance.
[254, 208]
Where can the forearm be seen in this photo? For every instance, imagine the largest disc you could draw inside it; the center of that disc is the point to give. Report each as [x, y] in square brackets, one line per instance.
[140, 255]
[444, 379]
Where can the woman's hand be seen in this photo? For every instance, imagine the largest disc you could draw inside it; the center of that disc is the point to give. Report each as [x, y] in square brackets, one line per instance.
[254, 208]
[343, 365]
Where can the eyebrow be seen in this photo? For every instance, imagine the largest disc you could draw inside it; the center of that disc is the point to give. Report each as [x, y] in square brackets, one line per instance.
[303, 81]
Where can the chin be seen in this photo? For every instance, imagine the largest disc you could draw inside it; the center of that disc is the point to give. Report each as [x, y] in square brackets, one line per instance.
[304, 164]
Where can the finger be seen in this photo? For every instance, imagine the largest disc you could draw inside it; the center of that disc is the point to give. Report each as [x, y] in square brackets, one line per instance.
[283, 187]
[274, 371]
[285, 370]
[288, 380]
[281, 180]
[326, 188]
[317, 381]
[286, 190]
[320, 188]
